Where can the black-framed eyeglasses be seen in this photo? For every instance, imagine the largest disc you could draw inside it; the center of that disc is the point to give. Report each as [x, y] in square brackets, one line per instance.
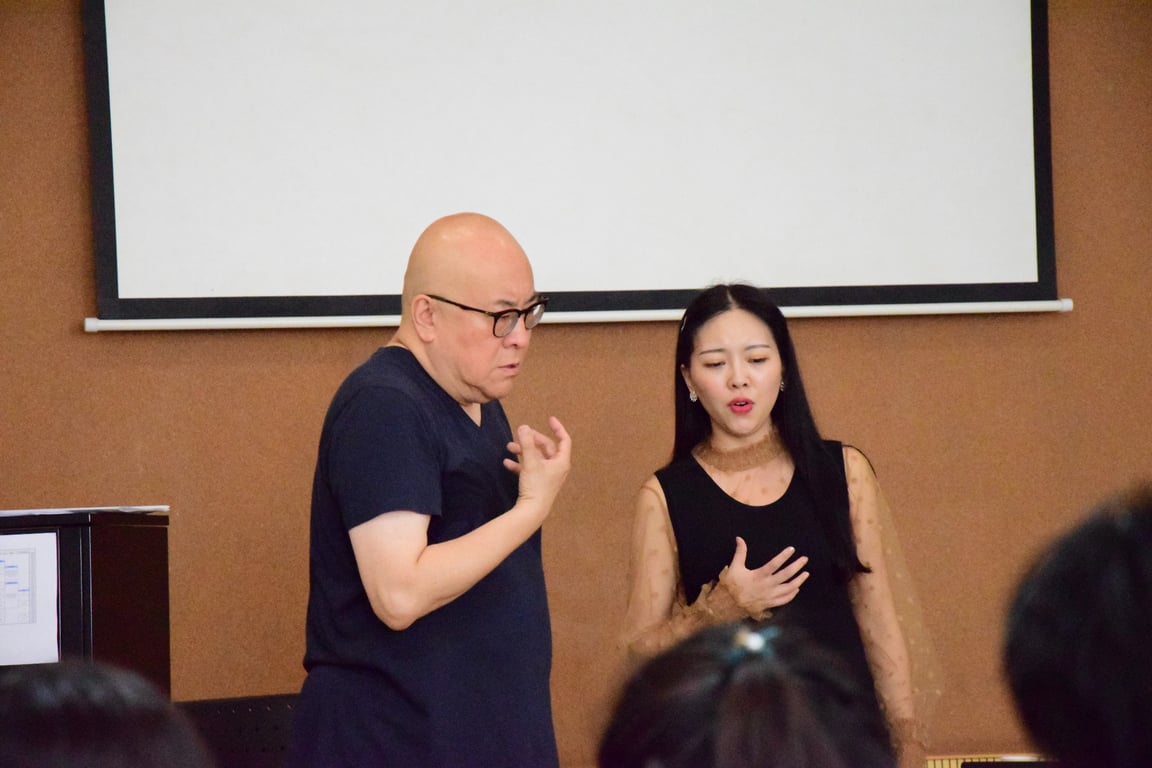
[504, 321]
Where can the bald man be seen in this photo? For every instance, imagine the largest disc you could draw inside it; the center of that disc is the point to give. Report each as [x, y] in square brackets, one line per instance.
[428, 638]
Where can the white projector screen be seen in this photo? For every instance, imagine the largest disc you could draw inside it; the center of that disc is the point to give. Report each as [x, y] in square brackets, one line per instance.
[262, 158]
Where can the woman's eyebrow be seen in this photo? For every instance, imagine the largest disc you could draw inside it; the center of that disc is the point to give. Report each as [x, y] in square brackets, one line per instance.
[764, 345]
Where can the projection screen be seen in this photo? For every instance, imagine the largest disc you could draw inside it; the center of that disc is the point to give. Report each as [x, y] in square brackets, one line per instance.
[262, 160]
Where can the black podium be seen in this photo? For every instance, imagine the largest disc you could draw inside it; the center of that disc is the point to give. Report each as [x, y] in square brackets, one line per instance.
[112, 590]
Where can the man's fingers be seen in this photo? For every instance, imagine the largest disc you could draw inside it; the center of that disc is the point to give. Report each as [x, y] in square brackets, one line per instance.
[540, 444]
[546, 446]
[529, 440]
[561, 434]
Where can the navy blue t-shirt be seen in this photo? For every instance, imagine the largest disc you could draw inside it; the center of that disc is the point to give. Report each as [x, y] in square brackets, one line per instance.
[466, 685]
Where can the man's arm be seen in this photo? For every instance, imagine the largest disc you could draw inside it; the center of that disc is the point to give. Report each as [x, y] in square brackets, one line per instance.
[406, 578]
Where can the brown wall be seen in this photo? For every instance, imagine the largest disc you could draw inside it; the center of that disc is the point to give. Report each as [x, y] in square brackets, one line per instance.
[990, 433]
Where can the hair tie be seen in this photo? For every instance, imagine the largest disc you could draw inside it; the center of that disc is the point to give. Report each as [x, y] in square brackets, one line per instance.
[748, 642]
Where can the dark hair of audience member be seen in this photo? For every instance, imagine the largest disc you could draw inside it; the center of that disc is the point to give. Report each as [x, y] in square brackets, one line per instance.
[78, 713]
[1078, 646]
[738, 696]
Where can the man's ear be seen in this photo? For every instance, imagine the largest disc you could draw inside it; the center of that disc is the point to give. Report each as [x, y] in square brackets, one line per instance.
[424, 318]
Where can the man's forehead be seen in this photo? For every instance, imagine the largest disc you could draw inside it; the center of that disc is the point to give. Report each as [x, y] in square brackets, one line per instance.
[502, 285]
[513, 303]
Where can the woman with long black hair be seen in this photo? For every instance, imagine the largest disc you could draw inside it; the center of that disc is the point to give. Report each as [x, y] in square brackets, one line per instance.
[758, 517]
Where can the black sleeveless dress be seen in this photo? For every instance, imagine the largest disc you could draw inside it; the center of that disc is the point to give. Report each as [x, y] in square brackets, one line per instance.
[706, 522]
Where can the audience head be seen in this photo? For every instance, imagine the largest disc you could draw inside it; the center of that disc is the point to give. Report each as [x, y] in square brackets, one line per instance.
[78, 713]
[463, 271]
[791, 413]
[1079, 633]
[738, 696]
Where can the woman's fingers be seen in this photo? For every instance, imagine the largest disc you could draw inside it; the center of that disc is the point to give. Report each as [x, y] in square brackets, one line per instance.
[786, 573]
[740, 556]
[774, 564]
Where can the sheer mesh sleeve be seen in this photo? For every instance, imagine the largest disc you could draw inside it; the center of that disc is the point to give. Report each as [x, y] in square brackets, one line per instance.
[899, 651]
[658, 616]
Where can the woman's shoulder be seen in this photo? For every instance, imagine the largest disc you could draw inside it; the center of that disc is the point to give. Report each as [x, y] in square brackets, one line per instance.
[650, 498]
[675, 468]
[846, 460]
[856, 462]
[847, 452]
[827, 456]
[651, 484]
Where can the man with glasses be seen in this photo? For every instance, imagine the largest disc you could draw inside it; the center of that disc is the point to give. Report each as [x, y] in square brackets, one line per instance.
[428, 637]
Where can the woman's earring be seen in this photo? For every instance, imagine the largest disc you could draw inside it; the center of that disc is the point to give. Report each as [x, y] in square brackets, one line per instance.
[692, 396]
[781, 386]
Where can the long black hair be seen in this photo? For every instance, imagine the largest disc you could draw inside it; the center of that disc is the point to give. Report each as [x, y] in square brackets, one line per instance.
[816, 464]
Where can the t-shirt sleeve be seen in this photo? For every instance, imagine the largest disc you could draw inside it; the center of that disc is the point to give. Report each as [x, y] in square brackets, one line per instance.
[383, 457]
